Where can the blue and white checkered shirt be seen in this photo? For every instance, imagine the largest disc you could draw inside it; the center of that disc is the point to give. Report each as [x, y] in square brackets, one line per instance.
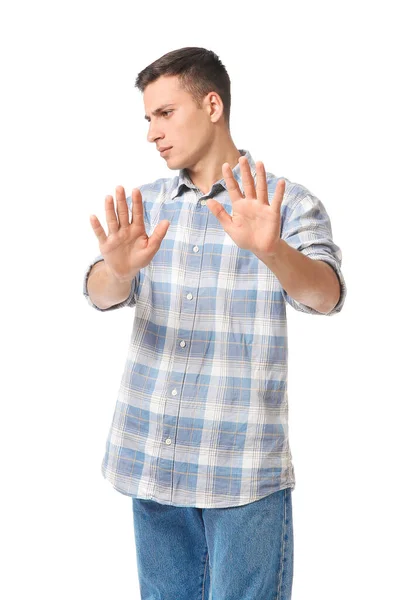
[201, 416]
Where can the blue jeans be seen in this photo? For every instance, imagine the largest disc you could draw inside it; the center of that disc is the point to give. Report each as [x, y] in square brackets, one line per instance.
[235, 553]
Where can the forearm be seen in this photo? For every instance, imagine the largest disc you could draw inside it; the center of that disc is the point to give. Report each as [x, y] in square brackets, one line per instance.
[311, 282]
[103, 289]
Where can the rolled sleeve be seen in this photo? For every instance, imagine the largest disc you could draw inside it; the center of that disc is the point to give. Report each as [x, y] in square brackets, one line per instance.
[307, 228]
[130, 301]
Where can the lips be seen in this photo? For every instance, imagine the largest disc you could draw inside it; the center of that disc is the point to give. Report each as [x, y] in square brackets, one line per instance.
[162, 149]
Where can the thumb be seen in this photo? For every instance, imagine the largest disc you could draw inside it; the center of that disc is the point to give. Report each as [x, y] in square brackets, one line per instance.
[219, 212]
[154, 241]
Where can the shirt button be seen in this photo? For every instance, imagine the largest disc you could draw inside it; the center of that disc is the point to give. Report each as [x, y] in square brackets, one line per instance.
[168, 441]
[203, 202]
[183, 343]
[189, 296]
[195, 248]
[174, 392]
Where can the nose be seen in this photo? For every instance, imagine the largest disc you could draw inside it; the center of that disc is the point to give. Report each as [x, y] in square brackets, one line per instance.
[154, 133]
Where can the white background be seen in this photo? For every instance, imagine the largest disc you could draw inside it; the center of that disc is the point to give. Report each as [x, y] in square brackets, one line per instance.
[316, 96]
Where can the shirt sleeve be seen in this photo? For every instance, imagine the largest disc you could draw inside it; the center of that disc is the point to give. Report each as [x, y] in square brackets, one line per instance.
[307, 228]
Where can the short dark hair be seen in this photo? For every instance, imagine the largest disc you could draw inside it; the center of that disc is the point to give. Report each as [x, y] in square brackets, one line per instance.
[200, 71]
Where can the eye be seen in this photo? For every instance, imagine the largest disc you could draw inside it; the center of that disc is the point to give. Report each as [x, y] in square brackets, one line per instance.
[165, 112]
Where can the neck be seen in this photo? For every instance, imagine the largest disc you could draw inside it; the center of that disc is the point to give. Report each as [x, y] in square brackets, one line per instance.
[208, 170]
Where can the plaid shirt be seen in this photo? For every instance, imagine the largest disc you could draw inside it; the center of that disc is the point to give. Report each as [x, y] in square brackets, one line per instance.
[201, 416]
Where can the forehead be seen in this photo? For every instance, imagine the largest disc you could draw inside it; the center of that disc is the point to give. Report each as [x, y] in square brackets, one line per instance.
[163, 91]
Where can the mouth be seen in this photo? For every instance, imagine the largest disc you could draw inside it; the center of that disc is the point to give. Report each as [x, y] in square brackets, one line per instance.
[164, 151]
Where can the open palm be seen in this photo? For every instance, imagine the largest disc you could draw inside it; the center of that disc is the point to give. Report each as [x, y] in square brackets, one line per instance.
[127, 247]
[255, 224]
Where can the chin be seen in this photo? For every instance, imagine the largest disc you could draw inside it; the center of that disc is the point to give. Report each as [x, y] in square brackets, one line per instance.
[173, 165]
[170, 165]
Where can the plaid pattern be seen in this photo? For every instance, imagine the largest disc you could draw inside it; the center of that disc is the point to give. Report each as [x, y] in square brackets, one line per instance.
[201, 416]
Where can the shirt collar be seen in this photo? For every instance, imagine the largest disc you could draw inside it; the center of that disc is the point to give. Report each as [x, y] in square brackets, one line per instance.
[184, 181]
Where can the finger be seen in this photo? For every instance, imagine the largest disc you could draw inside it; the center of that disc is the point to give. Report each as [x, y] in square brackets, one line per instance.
[231, 183]
[121, 205]
[247, 178]
[278, 196]
[98, 229]
[110, 214]
[154, 241]
[220, 213]
[261, 183]
[137, 209]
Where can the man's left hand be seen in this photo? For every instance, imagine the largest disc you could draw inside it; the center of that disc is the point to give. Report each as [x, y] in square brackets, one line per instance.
[255, 224]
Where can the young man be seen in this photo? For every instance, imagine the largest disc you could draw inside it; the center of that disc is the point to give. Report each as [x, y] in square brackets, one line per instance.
[210, 257]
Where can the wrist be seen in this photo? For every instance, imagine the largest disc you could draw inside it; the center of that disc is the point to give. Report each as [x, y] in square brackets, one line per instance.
[115, 279]
[275, 254]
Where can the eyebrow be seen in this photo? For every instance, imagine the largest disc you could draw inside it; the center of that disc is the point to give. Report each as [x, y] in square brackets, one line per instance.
[158, 111]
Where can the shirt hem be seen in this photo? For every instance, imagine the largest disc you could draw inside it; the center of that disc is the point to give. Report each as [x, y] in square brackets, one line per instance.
[223, 504]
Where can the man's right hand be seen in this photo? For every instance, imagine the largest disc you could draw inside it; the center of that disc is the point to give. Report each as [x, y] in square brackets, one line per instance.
[127, 248]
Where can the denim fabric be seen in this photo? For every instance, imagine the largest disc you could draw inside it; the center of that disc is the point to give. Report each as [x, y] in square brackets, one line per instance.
[235, 553]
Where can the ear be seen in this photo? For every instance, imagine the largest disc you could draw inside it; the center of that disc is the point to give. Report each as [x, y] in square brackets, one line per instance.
[214, 106]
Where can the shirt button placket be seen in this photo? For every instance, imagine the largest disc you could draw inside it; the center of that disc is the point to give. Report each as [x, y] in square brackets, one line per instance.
[192, 280]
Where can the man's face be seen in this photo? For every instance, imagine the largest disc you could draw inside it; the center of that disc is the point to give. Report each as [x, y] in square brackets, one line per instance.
[180, 124]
